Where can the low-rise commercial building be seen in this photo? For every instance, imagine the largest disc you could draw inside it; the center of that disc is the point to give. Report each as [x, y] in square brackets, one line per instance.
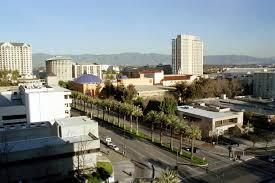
[173, 79]
[47, 151]
[212, 122]
[157, 75]
[135, 81]
[80, 69]
[87, 84]
[153, 91]
[34, 103]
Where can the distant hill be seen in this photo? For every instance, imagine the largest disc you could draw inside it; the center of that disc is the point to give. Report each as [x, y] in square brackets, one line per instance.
[236, 60]
[151, 59]
[112, 59]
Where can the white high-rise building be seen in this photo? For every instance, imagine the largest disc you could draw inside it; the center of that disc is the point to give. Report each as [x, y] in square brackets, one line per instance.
[79, 69]
[187, 55]
[16, 56]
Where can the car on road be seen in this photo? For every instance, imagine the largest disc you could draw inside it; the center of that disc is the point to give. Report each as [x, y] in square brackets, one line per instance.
[271, 159]
[195, 149]
[114, 147]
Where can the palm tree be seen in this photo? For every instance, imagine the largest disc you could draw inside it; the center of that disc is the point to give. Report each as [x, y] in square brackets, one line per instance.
[118, 108]
[168, 176]
[182, 128]
[194, 133]
[173, 123]
[104, 105]
[74, 97]
[125, 109]
[137, 112]
[92, 102]
[162, 119]
[152, 117]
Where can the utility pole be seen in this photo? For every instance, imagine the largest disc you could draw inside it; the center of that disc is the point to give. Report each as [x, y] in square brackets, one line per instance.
[177, 163]
[124, 152]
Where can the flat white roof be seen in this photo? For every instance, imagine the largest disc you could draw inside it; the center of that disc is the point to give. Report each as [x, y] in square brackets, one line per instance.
[74, 121]
[205, 113]
[28, 144]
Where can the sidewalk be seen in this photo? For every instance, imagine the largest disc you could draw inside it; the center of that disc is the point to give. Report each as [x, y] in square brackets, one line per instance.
[123, 168]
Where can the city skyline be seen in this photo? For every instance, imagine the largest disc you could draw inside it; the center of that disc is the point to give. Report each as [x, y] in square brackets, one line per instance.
[69, 27]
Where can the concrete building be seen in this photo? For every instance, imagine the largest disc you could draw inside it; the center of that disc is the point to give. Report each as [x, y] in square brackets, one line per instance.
[61, 67]
[172, 80]
[34, 103]
[47, 151]
[94, 69]
[153, 91]
[264, 84]
[135, 81]
[187, 55]
[214, 122]
[155, 74]
[16, 56]
[87, 84]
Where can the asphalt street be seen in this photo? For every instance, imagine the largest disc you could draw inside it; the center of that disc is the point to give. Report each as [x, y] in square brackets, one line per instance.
[220, 169]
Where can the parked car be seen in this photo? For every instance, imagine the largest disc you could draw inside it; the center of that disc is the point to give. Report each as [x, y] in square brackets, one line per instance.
[114, 147]
[271, 159]
[190, 148]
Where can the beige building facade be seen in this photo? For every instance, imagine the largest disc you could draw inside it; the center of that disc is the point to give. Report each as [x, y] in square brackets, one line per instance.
[79, 69]
[16, 56]
[187, 55]
[212, 122]
[61, 67]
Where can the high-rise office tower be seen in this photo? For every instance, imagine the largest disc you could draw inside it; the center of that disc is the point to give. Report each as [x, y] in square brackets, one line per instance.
[16, 56]
[187, 55]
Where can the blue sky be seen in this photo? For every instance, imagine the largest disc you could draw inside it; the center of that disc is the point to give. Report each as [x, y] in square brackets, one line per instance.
[114, 26]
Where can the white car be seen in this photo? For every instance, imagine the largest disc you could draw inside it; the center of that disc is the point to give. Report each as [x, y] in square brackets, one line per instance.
[271, 159]
[114, 147]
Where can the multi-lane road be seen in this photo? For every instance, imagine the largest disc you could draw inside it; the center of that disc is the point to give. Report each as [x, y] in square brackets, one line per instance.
[145, 156]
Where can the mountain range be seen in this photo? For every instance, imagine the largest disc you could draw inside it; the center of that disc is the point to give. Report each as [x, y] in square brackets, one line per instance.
[151, 59]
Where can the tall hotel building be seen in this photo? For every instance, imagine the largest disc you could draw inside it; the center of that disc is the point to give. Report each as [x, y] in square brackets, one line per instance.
[16, 56]
[187, 55]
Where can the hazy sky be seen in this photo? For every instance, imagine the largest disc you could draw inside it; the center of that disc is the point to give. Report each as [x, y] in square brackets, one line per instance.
[115, 26]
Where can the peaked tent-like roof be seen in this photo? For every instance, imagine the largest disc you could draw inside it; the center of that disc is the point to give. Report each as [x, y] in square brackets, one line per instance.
[88, 79]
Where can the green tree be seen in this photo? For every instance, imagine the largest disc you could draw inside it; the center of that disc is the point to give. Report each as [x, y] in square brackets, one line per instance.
[15, 75]
[108, 91]
[267, 137]
[168, 105]
[172, 122]
[139, 101]
[137, 112]
[162, 120]
[194, 133]
[152, 117]
[168, 177]
[63, 84]
[254, 139]
[130, 93]
[182, 128]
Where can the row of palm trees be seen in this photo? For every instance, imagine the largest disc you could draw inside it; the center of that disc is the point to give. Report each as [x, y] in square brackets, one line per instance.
[176, 126]
[156, 119]
[108, 105]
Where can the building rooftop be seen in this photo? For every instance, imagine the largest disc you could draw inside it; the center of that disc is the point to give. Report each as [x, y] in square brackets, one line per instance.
[144, 88]
[205, 113]
[74, 121]
[152, 71]
[176, 77]
[87, 79]
[59, 58]
[28, 144]
[14, 44]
